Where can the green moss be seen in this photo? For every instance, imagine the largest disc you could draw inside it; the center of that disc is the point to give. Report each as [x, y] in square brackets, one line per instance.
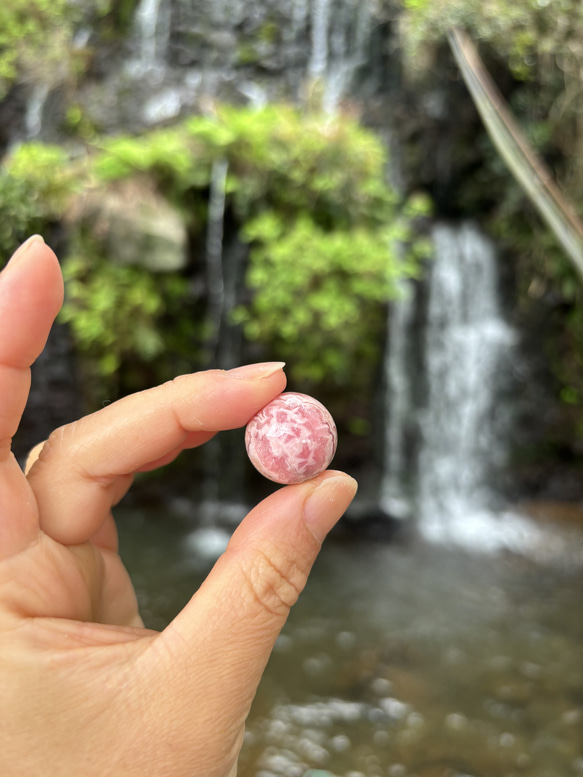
[247, 54]
[268, 32]
[115, 17]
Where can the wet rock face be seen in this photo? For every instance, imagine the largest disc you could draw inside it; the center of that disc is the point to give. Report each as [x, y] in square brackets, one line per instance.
[180, 54]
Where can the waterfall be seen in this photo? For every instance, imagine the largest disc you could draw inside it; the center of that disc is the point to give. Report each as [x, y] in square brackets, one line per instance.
[215, 311]
[224, 454]
[350, 41]
[182, 54]
[398, 405]
[340, 36]
[465, 341]
[449, 401]
[320, 20]
[152, 30]
[164, 98]
[299, 15]
[33, 118]
[214, 254]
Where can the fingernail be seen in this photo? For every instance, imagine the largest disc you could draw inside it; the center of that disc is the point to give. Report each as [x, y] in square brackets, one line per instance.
[327, 503]
[22, 250]
[256, 371]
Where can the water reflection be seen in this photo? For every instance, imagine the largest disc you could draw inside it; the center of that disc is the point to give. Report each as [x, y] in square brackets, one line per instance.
[403, 660]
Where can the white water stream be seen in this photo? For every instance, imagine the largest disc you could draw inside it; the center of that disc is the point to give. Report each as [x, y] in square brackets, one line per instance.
[152, 30]
[465, 342]
[447, 357]
[399, 389]
[340, 37]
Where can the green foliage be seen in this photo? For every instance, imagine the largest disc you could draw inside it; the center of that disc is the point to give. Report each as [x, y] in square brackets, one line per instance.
[48, 173]
[33, 34]
[329, 239]
[114, 18]
[36, 182]
[525, 33]
[169, 155]
[318, 295]
[18, 216]
[302, 160]
[115, 314]
[77, 124]
[329, 242]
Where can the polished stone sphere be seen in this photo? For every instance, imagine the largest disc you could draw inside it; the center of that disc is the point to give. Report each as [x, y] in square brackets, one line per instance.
[292, 439]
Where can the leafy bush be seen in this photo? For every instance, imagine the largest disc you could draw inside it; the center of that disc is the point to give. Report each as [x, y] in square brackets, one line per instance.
[319, 295]
[36, 182]
[116, 316]
[34, 35]
[329, 238]
[528, 35]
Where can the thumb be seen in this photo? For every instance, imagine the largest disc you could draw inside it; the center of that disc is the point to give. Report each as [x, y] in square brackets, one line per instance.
[237, 614]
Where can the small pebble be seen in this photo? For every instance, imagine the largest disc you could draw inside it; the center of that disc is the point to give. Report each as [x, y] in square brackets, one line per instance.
[292, 439]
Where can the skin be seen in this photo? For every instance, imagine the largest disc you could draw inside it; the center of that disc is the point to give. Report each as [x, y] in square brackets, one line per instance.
[84, 688]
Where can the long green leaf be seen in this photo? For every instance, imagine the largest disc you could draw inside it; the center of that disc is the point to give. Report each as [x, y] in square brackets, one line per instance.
[515, 149]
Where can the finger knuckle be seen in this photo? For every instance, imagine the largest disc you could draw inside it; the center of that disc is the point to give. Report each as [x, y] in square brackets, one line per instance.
[178, 383]
[46, 449]
[178, 395]
[33, 456]
[64, 439]
[274, 581]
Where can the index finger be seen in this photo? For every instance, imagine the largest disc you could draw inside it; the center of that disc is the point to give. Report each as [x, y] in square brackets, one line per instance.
[31, 293]
[85, 467]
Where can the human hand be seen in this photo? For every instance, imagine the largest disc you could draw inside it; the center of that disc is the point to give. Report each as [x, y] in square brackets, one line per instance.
[85, 689]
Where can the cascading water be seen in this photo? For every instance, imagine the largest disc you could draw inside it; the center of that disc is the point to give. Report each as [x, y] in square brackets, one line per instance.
[466, 339]
[451, 406]
[224, 454]
[215, 312]
[340, 34]
[33, 118]
[320, 18]
[152, 30]
[399, 405]
[214, 254]
[181, 55]
[151, 34]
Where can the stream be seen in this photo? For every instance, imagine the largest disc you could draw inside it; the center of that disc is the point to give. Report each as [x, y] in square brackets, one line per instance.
[404, 659]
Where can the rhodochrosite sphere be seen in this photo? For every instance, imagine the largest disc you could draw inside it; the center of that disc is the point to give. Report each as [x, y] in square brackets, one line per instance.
[291, 439]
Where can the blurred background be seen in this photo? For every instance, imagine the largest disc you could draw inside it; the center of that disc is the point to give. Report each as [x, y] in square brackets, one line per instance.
[227, 182]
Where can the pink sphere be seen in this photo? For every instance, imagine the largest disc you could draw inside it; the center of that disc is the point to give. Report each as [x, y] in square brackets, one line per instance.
[291, 439]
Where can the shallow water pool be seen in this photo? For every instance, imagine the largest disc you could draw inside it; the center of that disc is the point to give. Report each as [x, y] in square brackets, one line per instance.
[402, 659]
